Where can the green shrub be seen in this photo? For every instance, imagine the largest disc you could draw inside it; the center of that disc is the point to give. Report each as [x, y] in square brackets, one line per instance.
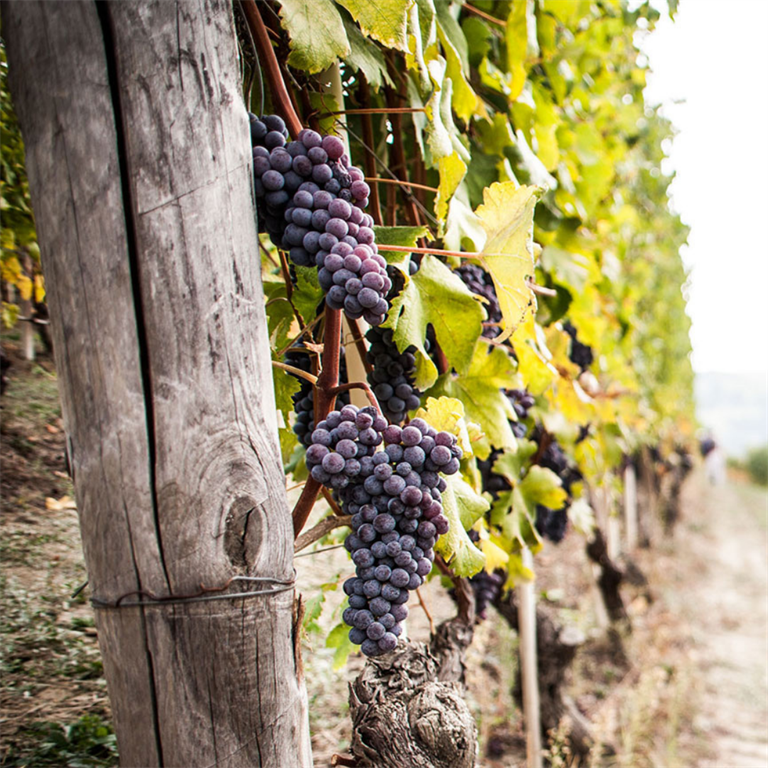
[757, 465]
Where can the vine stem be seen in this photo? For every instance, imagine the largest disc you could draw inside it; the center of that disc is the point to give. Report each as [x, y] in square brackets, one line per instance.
[484, 15]
[324, 527]
[325, 392]
[432, 251]
[360, 385]
[282, 100]
[541, 289]
[296, 372]
[379, 180]
[376, 111]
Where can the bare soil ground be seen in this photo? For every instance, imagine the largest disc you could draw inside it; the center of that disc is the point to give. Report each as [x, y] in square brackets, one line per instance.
[686, 688]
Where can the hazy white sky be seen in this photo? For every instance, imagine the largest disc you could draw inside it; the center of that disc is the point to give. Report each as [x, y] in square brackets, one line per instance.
[715, 57]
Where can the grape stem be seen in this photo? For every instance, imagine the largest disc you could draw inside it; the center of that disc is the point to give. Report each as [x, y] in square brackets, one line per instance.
[357, 336]
[331, 502]
[323, 528]
[359, 385]
[280, 97]
[296, 372]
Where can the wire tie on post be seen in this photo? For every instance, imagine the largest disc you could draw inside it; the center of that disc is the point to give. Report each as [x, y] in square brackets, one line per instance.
[279, 585]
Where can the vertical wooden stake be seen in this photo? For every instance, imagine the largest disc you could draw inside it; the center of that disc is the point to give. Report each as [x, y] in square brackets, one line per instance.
[630, 507]
[529, 666]
[27, 330]
[601, 612]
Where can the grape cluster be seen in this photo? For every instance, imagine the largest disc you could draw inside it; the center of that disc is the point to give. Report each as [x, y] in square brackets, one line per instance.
[303, 400]
[581, 354]
[552, 523]
[521, 401]
[487, 587]
[392, 374]
[313, 202]
[394, 497]
[479, 282]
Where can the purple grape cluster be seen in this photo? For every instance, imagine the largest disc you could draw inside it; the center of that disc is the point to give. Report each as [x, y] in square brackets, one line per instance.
[314, 204]
[394, 497]
[521, 401]
[480, 283]
[392, 374]
[487, 588]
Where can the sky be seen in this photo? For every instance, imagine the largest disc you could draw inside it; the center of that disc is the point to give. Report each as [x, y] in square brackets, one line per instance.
[710, 71]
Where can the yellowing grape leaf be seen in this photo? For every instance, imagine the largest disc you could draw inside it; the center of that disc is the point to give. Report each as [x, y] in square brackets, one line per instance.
[481, 391]
[543, 486]
[495, 556]
[366, 57]
[507, 216]
[454, 44]
[446, 414]
[317, 33]
[436, 296]
[463, 508]
[383, 20]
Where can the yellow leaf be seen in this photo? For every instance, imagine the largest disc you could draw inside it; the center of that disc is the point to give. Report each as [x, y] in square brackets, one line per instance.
[39, 289]
[24, 284]
[495, 556]
[506, 214]
[446, 414]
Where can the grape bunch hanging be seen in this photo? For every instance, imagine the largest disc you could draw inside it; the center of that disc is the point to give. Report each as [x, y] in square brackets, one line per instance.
[394, 497]
[311, 202]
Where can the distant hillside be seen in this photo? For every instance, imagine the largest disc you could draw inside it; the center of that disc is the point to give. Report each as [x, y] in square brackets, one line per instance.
[735, 407]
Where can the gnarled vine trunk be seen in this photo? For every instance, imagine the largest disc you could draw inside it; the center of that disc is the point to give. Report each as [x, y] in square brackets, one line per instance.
[139, 164]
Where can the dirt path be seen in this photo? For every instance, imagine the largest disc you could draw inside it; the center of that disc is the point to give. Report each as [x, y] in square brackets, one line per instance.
[728, 613]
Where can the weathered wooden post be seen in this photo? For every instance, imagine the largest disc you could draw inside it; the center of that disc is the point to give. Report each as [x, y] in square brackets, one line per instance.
[139, 165]
[630, 507]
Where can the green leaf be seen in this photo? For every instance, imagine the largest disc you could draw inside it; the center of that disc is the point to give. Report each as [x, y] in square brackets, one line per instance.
[317, 33]
[480, 389]
[405, 236]
[365, 57]
[452, 170]
[307, 294]
[383, 20]
[478, 35]
[507, 216]
[510, 464]
[517, 45]
[464, 230]
[312, 610]
[543, 486]
[436, 296]
[338, 638]
[454, 45]
[463, 507]
[280, 315]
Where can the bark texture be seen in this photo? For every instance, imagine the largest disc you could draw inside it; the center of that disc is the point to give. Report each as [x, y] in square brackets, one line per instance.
[138, 156]
[403, 715]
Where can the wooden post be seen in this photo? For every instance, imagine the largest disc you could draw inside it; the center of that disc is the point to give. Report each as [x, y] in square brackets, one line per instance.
[27, 330]
[529, 665]
[630, 507]
[139, 165]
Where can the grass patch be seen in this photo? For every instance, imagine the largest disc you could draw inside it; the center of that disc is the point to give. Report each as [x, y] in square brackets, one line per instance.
[89, 741]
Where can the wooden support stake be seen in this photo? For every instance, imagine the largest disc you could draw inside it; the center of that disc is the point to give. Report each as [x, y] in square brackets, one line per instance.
[529, 666]
[614, 537]
[630, 507]
[601, 612]
[27, 330]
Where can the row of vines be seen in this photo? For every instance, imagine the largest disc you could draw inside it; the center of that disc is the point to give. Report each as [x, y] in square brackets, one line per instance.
[469, 258]
[487, 211]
